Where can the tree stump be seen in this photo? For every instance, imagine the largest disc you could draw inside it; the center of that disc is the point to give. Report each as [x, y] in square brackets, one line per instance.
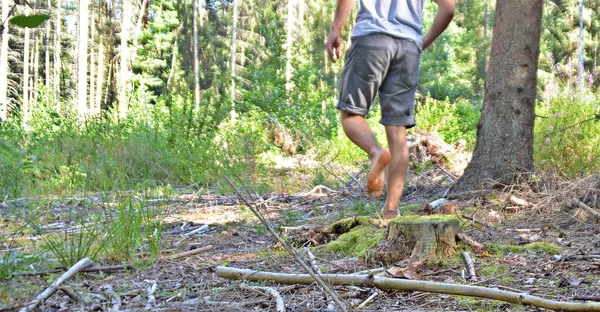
[423, 237]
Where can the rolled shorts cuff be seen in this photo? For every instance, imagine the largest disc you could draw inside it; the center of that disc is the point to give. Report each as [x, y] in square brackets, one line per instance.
[352, 110]
[401, 121]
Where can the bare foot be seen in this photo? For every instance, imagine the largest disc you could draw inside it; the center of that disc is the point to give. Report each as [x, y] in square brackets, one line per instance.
[376, 178]
[389, 214]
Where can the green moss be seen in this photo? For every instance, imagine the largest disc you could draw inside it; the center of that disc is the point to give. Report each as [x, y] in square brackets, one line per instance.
[500, 250]
[546, 247]
[406, 209]
[357, 241]
[345, 225]
[424, 219]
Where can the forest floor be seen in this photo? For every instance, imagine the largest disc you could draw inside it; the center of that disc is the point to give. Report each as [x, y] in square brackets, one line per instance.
[545, 246]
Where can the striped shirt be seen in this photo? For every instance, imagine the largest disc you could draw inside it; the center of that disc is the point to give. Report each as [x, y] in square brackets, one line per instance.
[396, 18]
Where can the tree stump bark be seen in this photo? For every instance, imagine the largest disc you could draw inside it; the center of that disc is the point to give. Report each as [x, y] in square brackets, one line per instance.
[423, 237]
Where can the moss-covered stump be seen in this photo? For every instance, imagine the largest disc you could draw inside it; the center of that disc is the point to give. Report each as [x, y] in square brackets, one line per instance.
[423, 237]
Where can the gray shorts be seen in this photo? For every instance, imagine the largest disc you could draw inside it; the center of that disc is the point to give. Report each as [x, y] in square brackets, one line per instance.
[390, 66]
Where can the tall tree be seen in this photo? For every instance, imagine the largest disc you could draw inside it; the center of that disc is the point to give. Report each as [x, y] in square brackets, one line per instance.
[25, 104]
[47, 50]
[234, 56]
[4, 61]
[57, 50]
[291, 16]
[125, 51]
[92, 96]
[82, 55]
[504, 145]
[581, 48]
[195, 42]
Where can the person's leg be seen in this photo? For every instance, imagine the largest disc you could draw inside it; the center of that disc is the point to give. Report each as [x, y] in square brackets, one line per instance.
[397, 168]
[359, 132]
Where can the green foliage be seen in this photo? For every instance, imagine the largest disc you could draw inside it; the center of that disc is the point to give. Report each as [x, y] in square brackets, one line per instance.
[30, 21]
[14, 262]
[566, 133]
[133, 230]
[453, 121]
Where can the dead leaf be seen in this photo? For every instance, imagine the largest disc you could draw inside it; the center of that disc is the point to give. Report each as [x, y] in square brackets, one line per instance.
[514, 260]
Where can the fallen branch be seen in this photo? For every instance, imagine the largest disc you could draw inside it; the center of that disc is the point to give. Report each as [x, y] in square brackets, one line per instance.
[477, 247]
[587, 298]
[201, 229]
[56, 284]
[587, 208]
[92, 269]
[313, 261]
[190, 252]
[279, 304]
[408, 285]
[371, 297]
[470, 265]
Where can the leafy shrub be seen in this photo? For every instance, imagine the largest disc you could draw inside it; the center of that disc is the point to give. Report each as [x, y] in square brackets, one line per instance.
[566, 134]
[453, 121]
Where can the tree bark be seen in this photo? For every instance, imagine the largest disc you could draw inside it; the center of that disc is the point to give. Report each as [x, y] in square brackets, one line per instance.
[289, 43]
[82, 54]
[57, 51]
[4, 62]
[504, 147]
[196, 72]
[25, 105]
[100, 78]
[125, 66]
[429, 237]
[580, 69]
[233, 57]
[92, 96]
[36, 66]
[47, 51]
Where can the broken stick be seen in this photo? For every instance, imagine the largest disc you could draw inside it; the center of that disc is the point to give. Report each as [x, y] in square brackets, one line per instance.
[191, 252]
[56, 284]
[408, 285]
[587, 208]
[470, 265]
[279, 304]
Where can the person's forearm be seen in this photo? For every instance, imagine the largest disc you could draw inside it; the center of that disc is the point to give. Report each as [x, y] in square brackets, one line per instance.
[442, 19]
[343, 10]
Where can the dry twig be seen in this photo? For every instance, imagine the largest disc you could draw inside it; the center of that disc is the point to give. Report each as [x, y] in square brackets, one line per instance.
[279, 304]
[470, 265]
[56, 284]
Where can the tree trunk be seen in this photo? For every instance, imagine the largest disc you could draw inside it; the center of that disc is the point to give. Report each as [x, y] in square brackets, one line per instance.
[4, 63]
[100, 78]
[428, 237]
[47, 51]
[36, 66]
[25, 105]
[92, 96]
[504, 147]
[581, 49]
[125, 66]
[57, 51]
[196, 72]
[82, 59]
[288, 44]
[233, 57]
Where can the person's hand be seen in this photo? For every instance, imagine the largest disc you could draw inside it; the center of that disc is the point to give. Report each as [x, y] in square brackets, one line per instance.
[334, 46]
